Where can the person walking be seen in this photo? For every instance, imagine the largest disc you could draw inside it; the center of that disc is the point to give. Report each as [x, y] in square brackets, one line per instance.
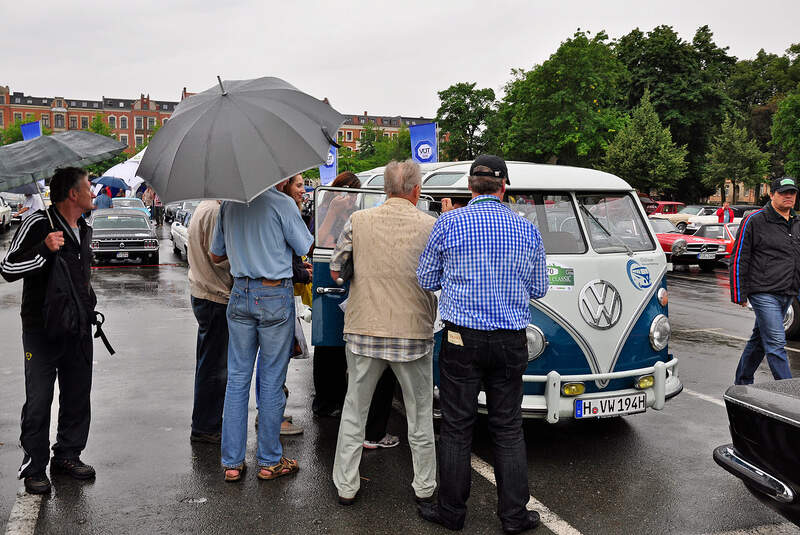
[765, 272]
[725, 214]
[488, 263]
[67, 357]
[385, 243]
[258, 239]
[210, 287]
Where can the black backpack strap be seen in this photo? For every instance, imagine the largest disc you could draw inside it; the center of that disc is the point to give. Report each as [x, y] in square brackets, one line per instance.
[98, 321]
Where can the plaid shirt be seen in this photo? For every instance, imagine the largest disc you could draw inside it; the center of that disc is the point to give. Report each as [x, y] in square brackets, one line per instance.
[391, 349]
[488, 262]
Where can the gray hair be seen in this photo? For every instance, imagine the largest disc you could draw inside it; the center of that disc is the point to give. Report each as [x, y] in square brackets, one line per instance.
[483, 185]
[399, 178]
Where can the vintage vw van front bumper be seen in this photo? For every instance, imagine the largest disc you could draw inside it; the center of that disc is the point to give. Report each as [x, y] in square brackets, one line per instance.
[554, 405]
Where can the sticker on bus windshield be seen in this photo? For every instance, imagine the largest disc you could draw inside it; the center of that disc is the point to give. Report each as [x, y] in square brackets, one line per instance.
[562, 278]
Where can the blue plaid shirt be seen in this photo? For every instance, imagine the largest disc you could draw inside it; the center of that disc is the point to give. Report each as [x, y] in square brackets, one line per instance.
[488, 262]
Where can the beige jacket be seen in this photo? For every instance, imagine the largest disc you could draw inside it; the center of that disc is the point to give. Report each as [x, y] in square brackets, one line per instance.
[385, 297]
[207, 280]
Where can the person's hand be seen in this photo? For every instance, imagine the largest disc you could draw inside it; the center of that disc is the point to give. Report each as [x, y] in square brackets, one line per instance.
[743, 304]
[310, 268]
[447, 204]
[54, 241]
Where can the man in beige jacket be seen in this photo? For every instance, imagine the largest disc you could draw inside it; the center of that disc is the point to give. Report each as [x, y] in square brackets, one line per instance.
[388, 322]
[210, 286]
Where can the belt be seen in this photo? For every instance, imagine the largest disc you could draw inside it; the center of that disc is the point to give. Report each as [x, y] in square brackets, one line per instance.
[270, 282]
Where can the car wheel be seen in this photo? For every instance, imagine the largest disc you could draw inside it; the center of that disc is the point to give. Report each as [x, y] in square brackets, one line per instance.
[791, 321]
[708, 265]
[681, 226]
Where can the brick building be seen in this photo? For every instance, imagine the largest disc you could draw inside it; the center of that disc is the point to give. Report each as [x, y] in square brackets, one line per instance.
[744, 194]
[132, 120]
[350, 132]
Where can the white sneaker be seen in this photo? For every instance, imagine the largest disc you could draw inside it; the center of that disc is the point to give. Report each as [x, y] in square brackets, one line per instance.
[388, 441]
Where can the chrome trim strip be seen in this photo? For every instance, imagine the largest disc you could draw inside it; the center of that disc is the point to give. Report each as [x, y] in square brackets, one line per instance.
[580, 340]
[760, 410]
[599, 376]
[783, 493]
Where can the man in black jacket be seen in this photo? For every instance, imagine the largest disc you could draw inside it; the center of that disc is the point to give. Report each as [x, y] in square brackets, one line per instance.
[765, 270]
[30, 257]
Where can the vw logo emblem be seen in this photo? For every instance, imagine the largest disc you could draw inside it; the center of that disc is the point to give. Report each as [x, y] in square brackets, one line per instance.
[122, 245]
[600, 304]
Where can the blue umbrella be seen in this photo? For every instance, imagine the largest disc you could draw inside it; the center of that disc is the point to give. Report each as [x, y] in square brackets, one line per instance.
[111, 181]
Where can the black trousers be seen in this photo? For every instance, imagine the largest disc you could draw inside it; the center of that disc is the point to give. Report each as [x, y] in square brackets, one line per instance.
[45, 360]
[211, 370]
[495, 359]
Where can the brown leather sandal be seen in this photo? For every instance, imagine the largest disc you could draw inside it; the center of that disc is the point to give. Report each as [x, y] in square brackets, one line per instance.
[283, 468]
[236, 473]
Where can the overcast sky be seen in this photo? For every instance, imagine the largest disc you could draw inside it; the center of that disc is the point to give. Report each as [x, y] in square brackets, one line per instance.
[388, 58]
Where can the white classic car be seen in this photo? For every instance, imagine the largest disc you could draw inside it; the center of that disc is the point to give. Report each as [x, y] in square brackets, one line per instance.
[5, 215]
[179, 232]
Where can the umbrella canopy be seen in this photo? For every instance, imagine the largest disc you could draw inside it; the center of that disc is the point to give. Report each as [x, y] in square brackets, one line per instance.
[237, 139]
[24, 162]
[29, 189]
[112, 181]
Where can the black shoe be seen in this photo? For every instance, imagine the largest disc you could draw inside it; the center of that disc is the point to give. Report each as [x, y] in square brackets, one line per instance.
[37, 484]
[208, 438]
[74, 467]
[533, 521]
[430, 512]
[429, 499]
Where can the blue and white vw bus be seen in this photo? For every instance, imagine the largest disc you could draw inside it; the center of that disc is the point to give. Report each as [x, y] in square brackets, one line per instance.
[598, 341]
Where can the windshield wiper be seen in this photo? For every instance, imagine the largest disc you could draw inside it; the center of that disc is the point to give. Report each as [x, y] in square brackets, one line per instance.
[599, 224]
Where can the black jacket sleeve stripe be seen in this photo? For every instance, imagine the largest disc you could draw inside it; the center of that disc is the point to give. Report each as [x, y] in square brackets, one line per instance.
[27, 253]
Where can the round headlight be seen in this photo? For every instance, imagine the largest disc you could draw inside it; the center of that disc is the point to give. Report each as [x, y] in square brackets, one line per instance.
[679, 247]
[536, 342]
[660, 331]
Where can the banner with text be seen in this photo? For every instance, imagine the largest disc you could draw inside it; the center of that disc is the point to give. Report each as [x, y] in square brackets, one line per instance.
[328, 171]
[423, 143]
[31, 130]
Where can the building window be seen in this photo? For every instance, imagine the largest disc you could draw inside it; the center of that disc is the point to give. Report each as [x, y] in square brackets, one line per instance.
[73, 123]
[17, 100]
[2, 122]
[164, 121]
[165, 106]
[385, 135]
[94, 104]
[112, 121]
[339, 135]
[151, 122]
[59, 120]
[29, 101]
[84, 123]
[349, 135]
[123, 123]
[44, 101]
[124, 139]
[139, 141]
[138, 123]
[73, 103]
[2, 99]
[29, 117]
[17, 117]
[45, 121]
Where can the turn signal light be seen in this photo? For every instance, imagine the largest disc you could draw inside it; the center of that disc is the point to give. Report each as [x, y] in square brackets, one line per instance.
[645, 381]
[573, 389]
[663, 297]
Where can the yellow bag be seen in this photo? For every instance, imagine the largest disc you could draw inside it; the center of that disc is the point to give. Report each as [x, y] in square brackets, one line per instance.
[304, 291]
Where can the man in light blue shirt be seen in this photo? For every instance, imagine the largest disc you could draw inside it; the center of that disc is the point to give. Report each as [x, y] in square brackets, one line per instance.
[258, 239]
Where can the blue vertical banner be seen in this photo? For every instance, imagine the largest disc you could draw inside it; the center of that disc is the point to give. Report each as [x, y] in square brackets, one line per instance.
[424, 147]
[328, 171]
[31, 130]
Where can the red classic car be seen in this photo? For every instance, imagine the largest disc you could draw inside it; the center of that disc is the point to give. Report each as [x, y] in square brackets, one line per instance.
[705, 252]
[720, 231]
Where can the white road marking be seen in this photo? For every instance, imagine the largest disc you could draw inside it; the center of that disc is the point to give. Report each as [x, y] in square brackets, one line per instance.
[553, 522]
[717, 331]
[704, 397]
[24, 514]
[768, 529]
[683, 331]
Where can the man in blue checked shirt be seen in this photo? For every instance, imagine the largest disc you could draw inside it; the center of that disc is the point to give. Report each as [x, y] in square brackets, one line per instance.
[488, 262]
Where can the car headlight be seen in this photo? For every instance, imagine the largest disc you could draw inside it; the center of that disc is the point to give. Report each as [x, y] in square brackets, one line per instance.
[660, 332]
[536, 342]
[679, 247]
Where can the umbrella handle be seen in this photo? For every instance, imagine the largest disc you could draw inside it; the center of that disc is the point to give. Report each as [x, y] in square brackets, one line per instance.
[329, 138]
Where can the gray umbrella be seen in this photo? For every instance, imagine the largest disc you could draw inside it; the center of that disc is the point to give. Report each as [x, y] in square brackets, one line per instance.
[237, 139]
[25, 162]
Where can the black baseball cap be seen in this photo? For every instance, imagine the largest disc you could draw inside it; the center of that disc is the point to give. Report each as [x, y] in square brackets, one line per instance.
[495, 163]
[787, 183]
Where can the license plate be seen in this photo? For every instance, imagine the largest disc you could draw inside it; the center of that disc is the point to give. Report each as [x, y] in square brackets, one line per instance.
[611, 406]
[706, 256]
[122, 254]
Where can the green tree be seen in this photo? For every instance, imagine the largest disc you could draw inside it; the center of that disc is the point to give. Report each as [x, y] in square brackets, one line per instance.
[369, 135]
[686, 83]
[13, 132]
[462, 113]
[786, 132]
[734, 156]
[643, 152]
[100, 126]
[566, 110]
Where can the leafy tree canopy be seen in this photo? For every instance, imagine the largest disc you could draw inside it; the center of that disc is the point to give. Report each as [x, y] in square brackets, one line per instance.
[462, 113]
[734, 156]
[786, 132]
[13, 132]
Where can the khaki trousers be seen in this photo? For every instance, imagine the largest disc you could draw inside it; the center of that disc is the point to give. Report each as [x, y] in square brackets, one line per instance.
[416, 381]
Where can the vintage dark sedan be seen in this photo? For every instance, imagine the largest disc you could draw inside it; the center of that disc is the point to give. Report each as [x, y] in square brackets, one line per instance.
[123, 235]
[765, 454]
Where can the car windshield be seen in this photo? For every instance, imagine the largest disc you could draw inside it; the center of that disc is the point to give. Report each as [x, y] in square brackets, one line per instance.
[711, 231]
[442, 179]
[554, 216]
[111, 222]
[127, 203]
[663, 226]
[691, 209]
[614, 223]
[733, 229]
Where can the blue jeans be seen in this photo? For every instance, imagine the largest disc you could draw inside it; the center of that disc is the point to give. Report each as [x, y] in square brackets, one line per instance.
[768, 338]
[262, 317]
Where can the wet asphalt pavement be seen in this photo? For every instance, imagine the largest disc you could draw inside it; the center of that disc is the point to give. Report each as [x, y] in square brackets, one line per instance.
[646, 473]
